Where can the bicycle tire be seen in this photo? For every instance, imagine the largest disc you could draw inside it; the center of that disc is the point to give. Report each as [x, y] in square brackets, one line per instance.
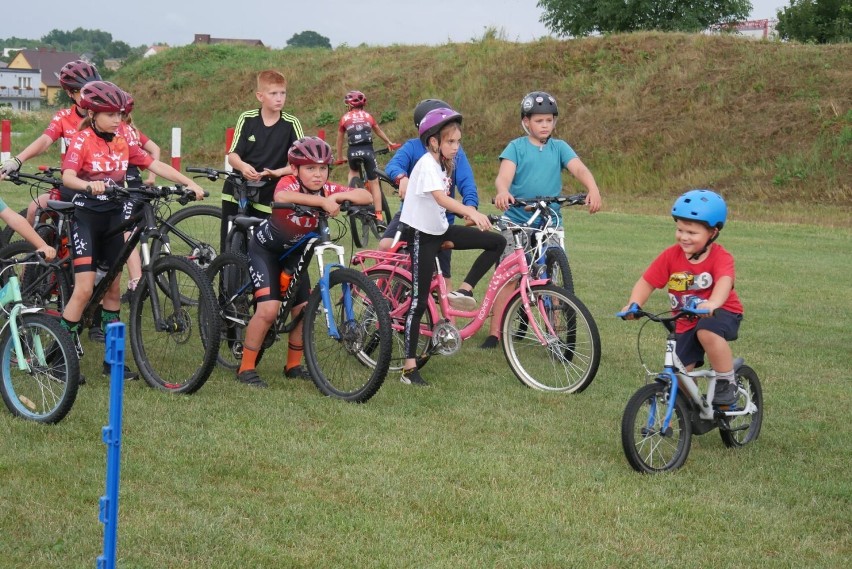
[744, 429]
[229, 276]
[237, 243]
[46, 391]
[558, 269]
[180, 355]
[360, 229]
[569, 361]
[647, 449]
[192, 232]
[395, 287]
[47, 287]
[336, 365]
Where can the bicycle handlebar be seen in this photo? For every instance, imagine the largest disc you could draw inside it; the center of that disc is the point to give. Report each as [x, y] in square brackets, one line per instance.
[532, 203]
[19, 178]
[689, 310]
[315, 211]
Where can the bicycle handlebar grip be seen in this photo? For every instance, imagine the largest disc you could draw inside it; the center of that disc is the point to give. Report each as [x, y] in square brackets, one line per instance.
[631, 310]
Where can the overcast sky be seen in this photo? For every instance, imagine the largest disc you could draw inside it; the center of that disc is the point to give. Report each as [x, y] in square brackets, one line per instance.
[375, 22]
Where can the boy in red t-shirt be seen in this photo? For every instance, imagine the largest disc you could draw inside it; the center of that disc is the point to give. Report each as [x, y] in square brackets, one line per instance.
[696, 267]
[358, 126]
[310, 158]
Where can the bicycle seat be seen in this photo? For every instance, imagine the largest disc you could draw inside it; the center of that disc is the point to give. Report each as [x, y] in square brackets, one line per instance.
[60, 206]
[246, 222]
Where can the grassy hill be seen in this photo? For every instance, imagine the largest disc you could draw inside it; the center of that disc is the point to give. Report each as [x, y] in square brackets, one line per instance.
[651, 114]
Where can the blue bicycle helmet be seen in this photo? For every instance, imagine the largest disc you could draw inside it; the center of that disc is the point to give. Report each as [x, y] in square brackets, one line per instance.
[705, 206]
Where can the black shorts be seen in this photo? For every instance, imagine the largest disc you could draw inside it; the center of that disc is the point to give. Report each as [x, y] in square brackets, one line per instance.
[365, 155]
[722, 323]
[91, 247]
[265, 267]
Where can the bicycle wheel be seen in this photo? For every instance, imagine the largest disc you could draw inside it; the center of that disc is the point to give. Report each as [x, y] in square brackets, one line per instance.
[192, 232]
[45, 391]
[360, 229]
[647, 447]
[558, 269]
[744, 429]
[229, 275]
[48, 287]
[569, 359]
[175, 329]
[237, 243]
[335, 362]
[396, 290]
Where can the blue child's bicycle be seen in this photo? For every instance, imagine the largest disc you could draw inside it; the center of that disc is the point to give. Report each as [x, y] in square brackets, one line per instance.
[661, 417]
[39, 368]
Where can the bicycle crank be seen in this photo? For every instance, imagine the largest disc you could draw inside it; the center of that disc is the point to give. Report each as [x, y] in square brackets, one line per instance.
[446, 339]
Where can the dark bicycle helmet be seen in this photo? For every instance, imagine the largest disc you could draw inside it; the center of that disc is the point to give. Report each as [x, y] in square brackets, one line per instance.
[103, 97]
[435, 120]
[538, 103]
[705, 206]
[355, 99]
[75, 74]
[310, 150]
[425, 106]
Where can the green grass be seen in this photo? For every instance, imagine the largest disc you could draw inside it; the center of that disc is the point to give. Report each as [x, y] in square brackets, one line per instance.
[475, 471]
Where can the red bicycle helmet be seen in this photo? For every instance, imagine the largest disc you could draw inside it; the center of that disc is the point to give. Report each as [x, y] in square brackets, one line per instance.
[310, 150]
[128, 107]
[103, 97]
[75, 74]
[355, 99]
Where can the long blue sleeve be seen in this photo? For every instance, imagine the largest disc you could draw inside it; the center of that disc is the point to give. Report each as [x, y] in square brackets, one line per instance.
[463, 178]
[405, 158]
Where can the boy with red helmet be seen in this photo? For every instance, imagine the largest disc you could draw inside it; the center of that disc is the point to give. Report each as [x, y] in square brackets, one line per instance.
[358, 126]
[276, 247]
[98, 157]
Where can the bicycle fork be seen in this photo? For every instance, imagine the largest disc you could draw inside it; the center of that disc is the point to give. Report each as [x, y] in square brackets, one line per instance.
[11, 293]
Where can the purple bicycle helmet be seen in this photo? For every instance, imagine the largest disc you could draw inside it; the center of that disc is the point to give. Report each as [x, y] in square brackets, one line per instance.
[435, 120]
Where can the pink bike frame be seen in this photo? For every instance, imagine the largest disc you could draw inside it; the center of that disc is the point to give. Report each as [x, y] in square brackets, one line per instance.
[513, 265]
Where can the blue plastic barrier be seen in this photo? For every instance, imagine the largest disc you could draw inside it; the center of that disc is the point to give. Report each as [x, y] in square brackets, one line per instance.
[108, 514]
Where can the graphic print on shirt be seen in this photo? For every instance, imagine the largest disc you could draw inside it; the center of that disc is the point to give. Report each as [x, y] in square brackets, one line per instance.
[358, 126]
[682, 282]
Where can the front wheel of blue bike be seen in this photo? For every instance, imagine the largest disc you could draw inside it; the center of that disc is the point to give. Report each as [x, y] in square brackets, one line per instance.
[648, 446]
[45, 389]
[558, 350]
[340, 330]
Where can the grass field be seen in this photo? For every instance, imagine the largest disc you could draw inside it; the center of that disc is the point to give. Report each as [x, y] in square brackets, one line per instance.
[475, 471]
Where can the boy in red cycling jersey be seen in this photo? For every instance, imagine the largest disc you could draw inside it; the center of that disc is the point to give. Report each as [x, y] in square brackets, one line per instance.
[281, 234]
[97, 158]
[358, 126]
[73, 76]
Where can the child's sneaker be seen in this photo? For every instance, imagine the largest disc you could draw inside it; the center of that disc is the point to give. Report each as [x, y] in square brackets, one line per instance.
[462, 300]
[490, 343]
[251, 378]
[97, 335]
[297, 372]
[725, 394]
[412, 377]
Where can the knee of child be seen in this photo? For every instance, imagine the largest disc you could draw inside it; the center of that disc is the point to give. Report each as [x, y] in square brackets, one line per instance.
[385, 244]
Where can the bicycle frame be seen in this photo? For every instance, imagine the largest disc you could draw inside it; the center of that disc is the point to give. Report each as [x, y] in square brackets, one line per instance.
[513, 266]
[11, 294]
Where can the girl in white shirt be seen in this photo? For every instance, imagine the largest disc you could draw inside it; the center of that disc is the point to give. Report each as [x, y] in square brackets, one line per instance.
[424, 213]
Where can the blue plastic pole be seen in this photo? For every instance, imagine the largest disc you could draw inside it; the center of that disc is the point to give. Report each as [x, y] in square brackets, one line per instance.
[108, 514]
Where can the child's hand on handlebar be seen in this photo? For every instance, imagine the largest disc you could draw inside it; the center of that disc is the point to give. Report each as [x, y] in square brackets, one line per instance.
[503, 201]
[199, 191]
[48, 252]
[331, 206]
[480, 220]
[96, 188]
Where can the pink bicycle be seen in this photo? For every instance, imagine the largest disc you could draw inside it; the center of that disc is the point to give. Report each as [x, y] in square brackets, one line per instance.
[549, 337]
